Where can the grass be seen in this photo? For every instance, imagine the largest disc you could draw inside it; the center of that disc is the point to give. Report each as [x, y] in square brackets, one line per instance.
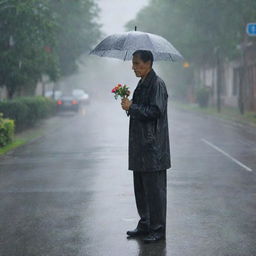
[22, 139]
[41, 128]
[228, 113]
[16, 143]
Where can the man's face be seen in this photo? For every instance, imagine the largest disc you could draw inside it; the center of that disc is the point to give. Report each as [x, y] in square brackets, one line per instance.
[140, 68]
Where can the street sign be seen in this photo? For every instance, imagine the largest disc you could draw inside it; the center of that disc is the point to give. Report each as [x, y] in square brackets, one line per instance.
[251, 29]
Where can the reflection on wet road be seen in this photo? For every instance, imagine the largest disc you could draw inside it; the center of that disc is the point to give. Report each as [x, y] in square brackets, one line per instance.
[70, 193]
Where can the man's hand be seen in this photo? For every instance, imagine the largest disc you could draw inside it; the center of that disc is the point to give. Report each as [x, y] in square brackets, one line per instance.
[126, 103]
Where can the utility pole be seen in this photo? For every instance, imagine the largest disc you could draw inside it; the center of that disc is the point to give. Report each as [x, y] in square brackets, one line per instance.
[242, 76]
[54, 91]
[241, 79]
[218, 64]
[250, 31]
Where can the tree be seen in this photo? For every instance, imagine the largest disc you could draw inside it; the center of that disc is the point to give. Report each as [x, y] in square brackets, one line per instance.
[201, 30]
[43, 37]
[78, 31]
[26, 27]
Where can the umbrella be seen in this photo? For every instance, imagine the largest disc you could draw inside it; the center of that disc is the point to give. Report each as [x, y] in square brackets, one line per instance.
[123, 45]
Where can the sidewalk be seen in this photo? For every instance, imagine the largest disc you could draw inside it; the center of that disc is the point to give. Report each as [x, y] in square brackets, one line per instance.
[227, 114]
[27, 136]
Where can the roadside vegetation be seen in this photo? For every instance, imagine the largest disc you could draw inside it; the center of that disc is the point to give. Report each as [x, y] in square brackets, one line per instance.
[43, 38]
[39, 38]
[209, 34]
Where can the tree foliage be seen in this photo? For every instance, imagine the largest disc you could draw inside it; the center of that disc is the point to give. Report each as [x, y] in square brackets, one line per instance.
[78, 30]
[43, 37]
[198, 27]
[201, 30]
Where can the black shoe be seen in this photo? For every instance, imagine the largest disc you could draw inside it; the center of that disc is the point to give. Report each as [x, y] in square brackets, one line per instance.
[154, 237]
[137, 232]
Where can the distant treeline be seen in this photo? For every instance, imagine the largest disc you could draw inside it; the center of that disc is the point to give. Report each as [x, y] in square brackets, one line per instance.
[200, 29]
[43, 37]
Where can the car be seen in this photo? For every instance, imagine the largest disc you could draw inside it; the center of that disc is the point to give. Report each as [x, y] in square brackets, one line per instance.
[68, 102]
[81, 95]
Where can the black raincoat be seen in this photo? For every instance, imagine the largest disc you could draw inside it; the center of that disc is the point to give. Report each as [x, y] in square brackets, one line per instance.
[149, 148]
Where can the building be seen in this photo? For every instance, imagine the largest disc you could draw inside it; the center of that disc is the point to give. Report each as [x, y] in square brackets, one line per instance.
[230, 80]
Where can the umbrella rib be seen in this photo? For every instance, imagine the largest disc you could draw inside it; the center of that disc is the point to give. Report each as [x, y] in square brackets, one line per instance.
[171, 57]
[153, 47]
[125, 55]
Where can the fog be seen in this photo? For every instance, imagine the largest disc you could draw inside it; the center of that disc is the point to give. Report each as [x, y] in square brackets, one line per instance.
[115, 13]
[71, 189]
[97, 75]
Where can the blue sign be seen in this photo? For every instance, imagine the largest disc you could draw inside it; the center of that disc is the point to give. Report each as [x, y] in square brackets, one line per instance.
[251, 29]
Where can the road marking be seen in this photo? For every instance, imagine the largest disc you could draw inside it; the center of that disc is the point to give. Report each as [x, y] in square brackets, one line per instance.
[227, 155]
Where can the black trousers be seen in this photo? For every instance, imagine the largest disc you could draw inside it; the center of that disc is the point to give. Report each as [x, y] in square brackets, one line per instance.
[150, 196]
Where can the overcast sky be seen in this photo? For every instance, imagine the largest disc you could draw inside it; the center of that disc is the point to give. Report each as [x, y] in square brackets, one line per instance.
[115, 13]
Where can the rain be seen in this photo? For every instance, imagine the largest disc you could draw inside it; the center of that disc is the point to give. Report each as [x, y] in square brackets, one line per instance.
[65, 183]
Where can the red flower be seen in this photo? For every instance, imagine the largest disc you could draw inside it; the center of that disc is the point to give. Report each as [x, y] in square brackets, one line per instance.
[121, 91]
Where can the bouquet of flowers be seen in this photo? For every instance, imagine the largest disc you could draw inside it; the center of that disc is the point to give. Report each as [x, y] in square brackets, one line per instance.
[121, 91]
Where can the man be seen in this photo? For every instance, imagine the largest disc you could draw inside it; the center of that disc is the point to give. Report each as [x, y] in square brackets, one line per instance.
[149, 151]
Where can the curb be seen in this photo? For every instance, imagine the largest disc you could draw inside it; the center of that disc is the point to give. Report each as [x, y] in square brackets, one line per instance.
[30, 141]
[244, 125]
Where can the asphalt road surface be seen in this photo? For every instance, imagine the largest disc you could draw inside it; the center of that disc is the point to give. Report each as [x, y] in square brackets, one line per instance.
[70, 193]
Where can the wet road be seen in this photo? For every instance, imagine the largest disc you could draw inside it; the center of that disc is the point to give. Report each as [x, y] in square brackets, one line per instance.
[70, 193]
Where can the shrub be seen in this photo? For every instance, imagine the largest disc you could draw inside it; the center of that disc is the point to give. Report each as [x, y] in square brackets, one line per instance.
[26, 111]
[16, 111]
[202, 96]
[6, 131]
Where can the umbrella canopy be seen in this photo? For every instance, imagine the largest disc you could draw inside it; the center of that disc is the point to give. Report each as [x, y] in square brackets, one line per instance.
[123, 45]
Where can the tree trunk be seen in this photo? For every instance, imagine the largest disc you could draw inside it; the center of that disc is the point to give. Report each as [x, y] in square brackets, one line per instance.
[218, 81]
[10, 93]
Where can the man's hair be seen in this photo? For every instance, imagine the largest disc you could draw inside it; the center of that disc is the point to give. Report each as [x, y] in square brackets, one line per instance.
[145, 55]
